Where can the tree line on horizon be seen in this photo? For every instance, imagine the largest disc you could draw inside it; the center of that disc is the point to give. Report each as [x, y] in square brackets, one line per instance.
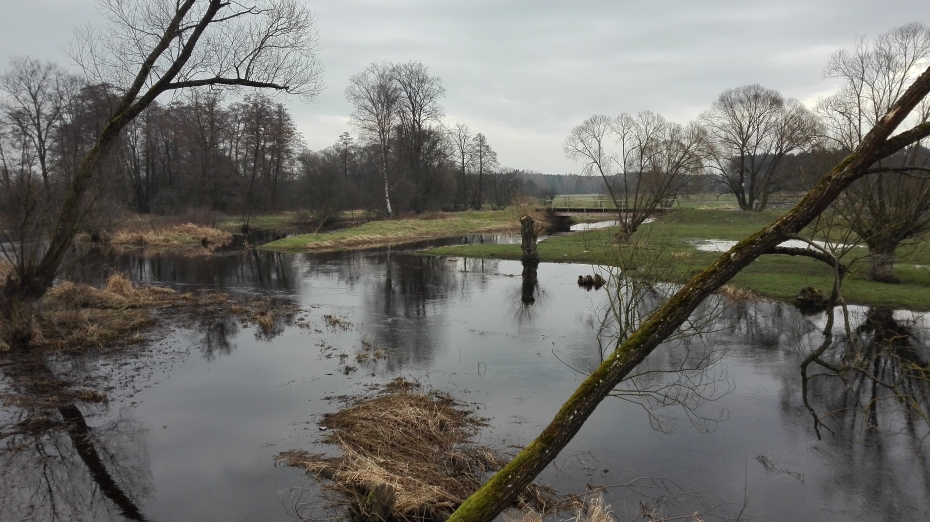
[244, 155]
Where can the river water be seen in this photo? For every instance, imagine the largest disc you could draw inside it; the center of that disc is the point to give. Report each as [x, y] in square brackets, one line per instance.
[195, 418]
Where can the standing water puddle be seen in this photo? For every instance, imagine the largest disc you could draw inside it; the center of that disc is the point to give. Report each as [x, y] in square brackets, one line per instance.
[722, 245]
[194, 420]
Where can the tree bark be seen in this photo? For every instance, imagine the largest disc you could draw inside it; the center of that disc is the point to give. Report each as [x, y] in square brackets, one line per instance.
[498, 493]
[881, 259]
[530, 257]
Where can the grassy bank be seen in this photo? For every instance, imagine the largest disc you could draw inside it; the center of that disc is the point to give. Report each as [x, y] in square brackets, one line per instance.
[279, 221]
[177, 237]
[665, 248]
[394, 231]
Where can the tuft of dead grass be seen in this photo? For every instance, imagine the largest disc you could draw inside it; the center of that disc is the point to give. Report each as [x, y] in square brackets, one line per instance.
[740, 295]
[187, 235]
[591, 508]
[414, 448]
[75, 315]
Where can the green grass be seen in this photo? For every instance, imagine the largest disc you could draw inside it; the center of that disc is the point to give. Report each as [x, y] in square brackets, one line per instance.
[661, 250]
[268, 221]
[394, 231]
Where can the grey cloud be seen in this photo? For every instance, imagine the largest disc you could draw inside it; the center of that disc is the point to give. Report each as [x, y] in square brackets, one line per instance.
[525, 72]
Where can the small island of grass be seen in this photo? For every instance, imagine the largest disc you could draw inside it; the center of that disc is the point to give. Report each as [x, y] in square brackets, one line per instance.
[666, 249]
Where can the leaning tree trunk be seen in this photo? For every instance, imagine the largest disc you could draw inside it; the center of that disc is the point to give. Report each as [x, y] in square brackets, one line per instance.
[500, 491]
[22, 292]
[881, 259]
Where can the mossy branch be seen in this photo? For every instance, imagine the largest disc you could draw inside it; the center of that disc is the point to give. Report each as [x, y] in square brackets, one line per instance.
[498, 493]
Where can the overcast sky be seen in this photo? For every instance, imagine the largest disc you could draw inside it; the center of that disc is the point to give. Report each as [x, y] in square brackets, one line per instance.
[525, 72]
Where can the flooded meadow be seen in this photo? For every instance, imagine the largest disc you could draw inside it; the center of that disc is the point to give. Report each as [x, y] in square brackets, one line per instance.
[186, 425]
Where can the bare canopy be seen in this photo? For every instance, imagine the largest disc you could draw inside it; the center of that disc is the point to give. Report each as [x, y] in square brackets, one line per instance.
[151, 48]
[751, 130]
[892, 205]
[164, 45]
[644, 161]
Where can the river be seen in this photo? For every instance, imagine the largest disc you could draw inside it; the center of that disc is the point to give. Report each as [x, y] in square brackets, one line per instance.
[195, 418]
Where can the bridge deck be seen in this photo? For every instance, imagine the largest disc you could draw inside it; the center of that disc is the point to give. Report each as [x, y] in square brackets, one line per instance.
[582, 211]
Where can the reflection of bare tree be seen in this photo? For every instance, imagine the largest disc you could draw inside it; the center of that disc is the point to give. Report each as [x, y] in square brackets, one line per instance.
[54, 465]
[412, 288]
[249, 268]
[686, 373]
[883, 373]
[866, 385]
[217, 332]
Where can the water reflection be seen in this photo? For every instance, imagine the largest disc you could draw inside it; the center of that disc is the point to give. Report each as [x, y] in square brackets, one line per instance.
[250, 269]
[55, 465]
[199, 440]
[866, 391]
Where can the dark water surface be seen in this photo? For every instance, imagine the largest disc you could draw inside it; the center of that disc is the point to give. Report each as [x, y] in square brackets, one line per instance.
[195, 419]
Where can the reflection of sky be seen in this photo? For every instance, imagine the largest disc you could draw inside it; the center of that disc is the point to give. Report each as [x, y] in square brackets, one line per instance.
[214, 422]
[722, 245]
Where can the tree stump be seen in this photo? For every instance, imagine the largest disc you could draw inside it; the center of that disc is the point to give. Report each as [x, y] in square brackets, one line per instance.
[530, 257]
[810, 299]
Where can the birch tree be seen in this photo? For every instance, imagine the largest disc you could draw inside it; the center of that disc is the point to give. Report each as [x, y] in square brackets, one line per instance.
[376, 98]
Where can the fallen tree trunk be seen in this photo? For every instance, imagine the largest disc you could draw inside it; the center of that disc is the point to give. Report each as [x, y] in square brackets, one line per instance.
[497, 494]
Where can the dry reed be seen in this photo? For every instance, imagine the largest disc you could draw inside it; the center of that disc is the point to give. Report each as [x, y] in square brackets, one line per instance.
[420, 445]
[76, 315]
[186, 235]
[740, 295]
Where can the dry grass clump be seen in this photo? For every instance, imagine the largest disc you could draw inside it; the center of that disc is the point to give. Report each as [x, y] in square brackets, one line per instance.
[740, 295]
[413, 452]
[266, 314]
[81, 315]
[187, 235]
[592, 508]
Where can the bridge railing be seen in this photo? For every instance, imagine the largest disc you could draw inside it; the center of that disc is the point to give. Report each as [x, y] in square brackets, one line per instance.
[566, 204]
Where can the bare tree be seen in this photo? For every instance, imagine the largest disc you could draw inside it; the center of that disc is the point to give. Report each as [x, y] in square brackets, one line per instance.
[751, 130]
[34, 97]
[345, 139]
[878, 143]
[892, 205]
[643, 160]
[376, 98]
[418, 109]
[484, 159]
[460, 139]
[153, 48]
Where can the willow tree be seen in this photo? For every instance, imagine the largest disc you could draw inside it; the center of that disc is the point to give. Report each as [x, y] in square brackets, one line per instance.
[892, 205]
[879, 143]
[644, 161]
[155, 48]
[752, 130]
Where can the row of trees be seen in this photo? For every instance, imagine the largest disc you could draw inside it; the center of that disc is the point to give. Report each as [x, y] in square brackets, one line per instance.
[193, 153]
[241, 156]
[398, 113]
[754, 143]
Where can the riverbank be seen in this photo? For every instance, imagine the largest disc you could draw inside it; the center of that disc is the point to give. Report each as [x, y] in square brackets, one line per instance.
[678, 245]
[396, 231]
